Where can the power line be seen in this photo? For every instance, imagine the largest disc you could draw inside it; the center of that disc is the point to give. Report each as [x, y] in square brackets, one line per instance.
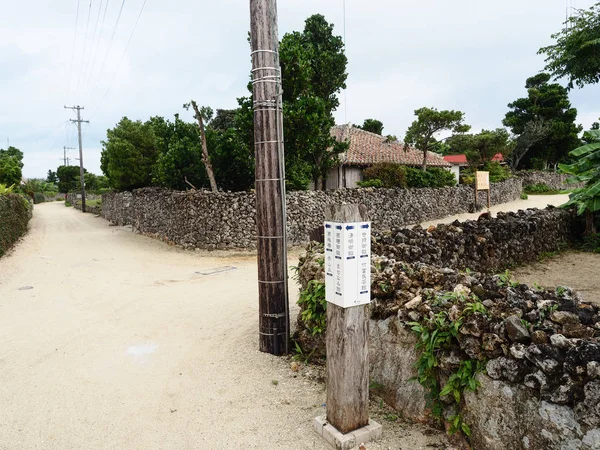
[112, 37]
[83, 50]
[95, 51]
[87, 65]
[120, 60]
[73, 52]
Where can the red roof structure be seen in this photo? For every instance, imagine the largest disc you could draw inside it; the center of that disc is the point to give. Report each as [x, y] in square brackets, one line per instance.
[462, 159]
[368, 148]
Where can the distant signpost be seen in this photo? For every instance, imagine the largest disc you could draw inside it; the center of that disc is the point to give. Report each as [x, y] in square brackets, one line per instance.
[482, 183]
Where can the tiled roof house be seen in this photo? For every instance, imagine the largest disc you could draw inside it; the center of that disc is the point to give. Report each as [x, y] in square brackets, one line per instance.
[368, 148]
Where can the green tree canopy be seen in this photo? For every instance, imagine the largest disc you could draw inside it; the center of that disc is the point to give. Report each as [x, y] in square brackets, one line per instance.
[423, 131]
[313, 67]
[546, 119]
[182, 159]
[576, 53]
[11, 165]
[68, 178]
[481, 148]
[372, 125]
[52, 177]
[129, 154]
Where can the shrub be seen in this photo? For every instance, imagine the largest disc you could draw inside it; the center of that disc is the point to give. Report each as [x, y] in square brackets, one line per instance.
[389, 175]
[434, 177]
[539, 188]
[591, 243]
[394, 175]
[524, 196]
[38, 197]
[497, 172]
[376, 183]
[15, 212]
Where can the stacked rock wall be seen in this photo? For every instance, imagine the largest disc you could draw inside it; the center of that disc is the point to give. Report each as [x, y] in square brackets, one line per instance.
[551, 179]
[201, 219]
[75, 200]
[484, 245]
[538, 350]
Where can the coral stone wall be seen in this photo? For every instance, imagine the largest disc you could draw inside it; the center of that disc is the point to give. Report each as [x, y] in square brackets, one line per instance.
[201, 219]
[551, 179]
[486, 244]
[538, 350]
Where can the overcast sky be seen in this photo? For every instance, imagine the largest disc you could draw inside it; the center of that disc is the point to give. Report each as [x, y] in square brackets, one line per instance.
[470, 55]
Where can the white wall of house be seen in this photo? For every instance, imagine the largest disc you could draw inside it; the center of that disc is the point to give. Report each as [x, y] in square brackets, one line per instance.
[344, 176]
[455, 169]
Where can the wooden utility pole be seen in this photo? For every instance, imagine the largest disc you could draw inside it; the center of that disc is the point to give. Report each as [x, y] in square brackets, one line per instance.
[205, 155]
[347, 330]
[78, 121]
[270, 179]
[65, 159]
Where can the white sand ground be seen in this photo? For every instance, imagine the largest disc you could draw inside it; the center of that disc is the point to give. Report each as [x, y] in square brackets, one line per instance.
[111, 340]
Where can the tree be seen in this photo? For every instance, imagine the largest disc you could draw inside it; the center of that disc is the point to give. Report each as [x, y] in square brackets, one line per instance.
[372, 125]
[51, 178]
[129, 155]
[576, 53]
[68, 178]
[544, 123]
[423, 131]
[313, 67]
[586, 170]
[11, 165]
[481, 148]
[181, 158]
[201, 115]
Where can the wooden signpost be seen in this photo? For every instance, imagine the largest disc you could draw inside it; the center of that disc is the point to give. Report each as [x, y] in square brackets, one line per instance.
[482, 183]
[347, 291]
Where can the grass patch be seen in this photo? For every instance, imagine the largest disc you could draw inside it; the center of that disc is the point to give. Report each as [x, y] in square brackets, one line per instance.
[94, 202]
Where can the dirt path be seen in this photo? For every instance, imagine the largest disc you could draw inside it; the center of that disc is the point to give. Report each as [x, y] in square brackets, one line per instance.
[112, 340]
[577, 270]
[534, 201]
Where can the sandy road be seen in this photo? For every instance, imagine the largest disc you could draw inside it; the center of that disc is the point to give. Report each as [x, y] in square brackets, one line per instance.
[121, 344]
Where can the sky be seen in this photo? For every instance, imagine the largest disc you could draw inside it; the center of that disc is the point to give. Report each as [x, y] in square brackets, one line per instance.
[468, 55]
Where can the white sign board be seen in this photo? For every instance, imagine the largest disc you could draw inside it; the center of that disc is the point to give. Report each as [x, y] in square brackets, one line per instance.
[482, 180]
[348, 263]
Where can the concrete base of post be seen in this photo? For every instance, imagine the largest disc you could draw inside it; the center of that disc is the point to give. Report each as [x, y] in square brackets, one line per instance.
[339, 441]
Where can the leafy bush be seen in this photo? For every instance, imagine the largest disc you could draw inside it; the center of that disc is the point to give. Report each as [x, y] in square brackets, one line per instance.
[394, 175]
[524, 196]
[389, 175]
[15, 211]
[38, 197]
[497, 172]
[6, 189]
[434, 177]
[591, 243]
[376, 183]
[539, 188]
[312, 299]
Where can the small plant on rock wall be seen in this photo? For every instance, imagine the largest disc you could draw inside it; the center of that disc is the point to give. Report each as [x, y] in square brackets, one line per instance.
[312, 299]
[435, 336]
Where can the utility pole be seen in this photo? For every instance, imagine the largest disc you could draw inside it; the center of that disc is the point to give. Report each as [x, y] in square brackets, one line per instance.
[78, 121]
[65, 159]
[270, 179]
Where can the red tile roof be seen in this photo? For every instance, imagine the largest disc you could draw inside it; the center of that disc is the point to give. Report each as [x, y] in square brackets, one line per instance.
[456, 159]
[369, 148]
[462, 159]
